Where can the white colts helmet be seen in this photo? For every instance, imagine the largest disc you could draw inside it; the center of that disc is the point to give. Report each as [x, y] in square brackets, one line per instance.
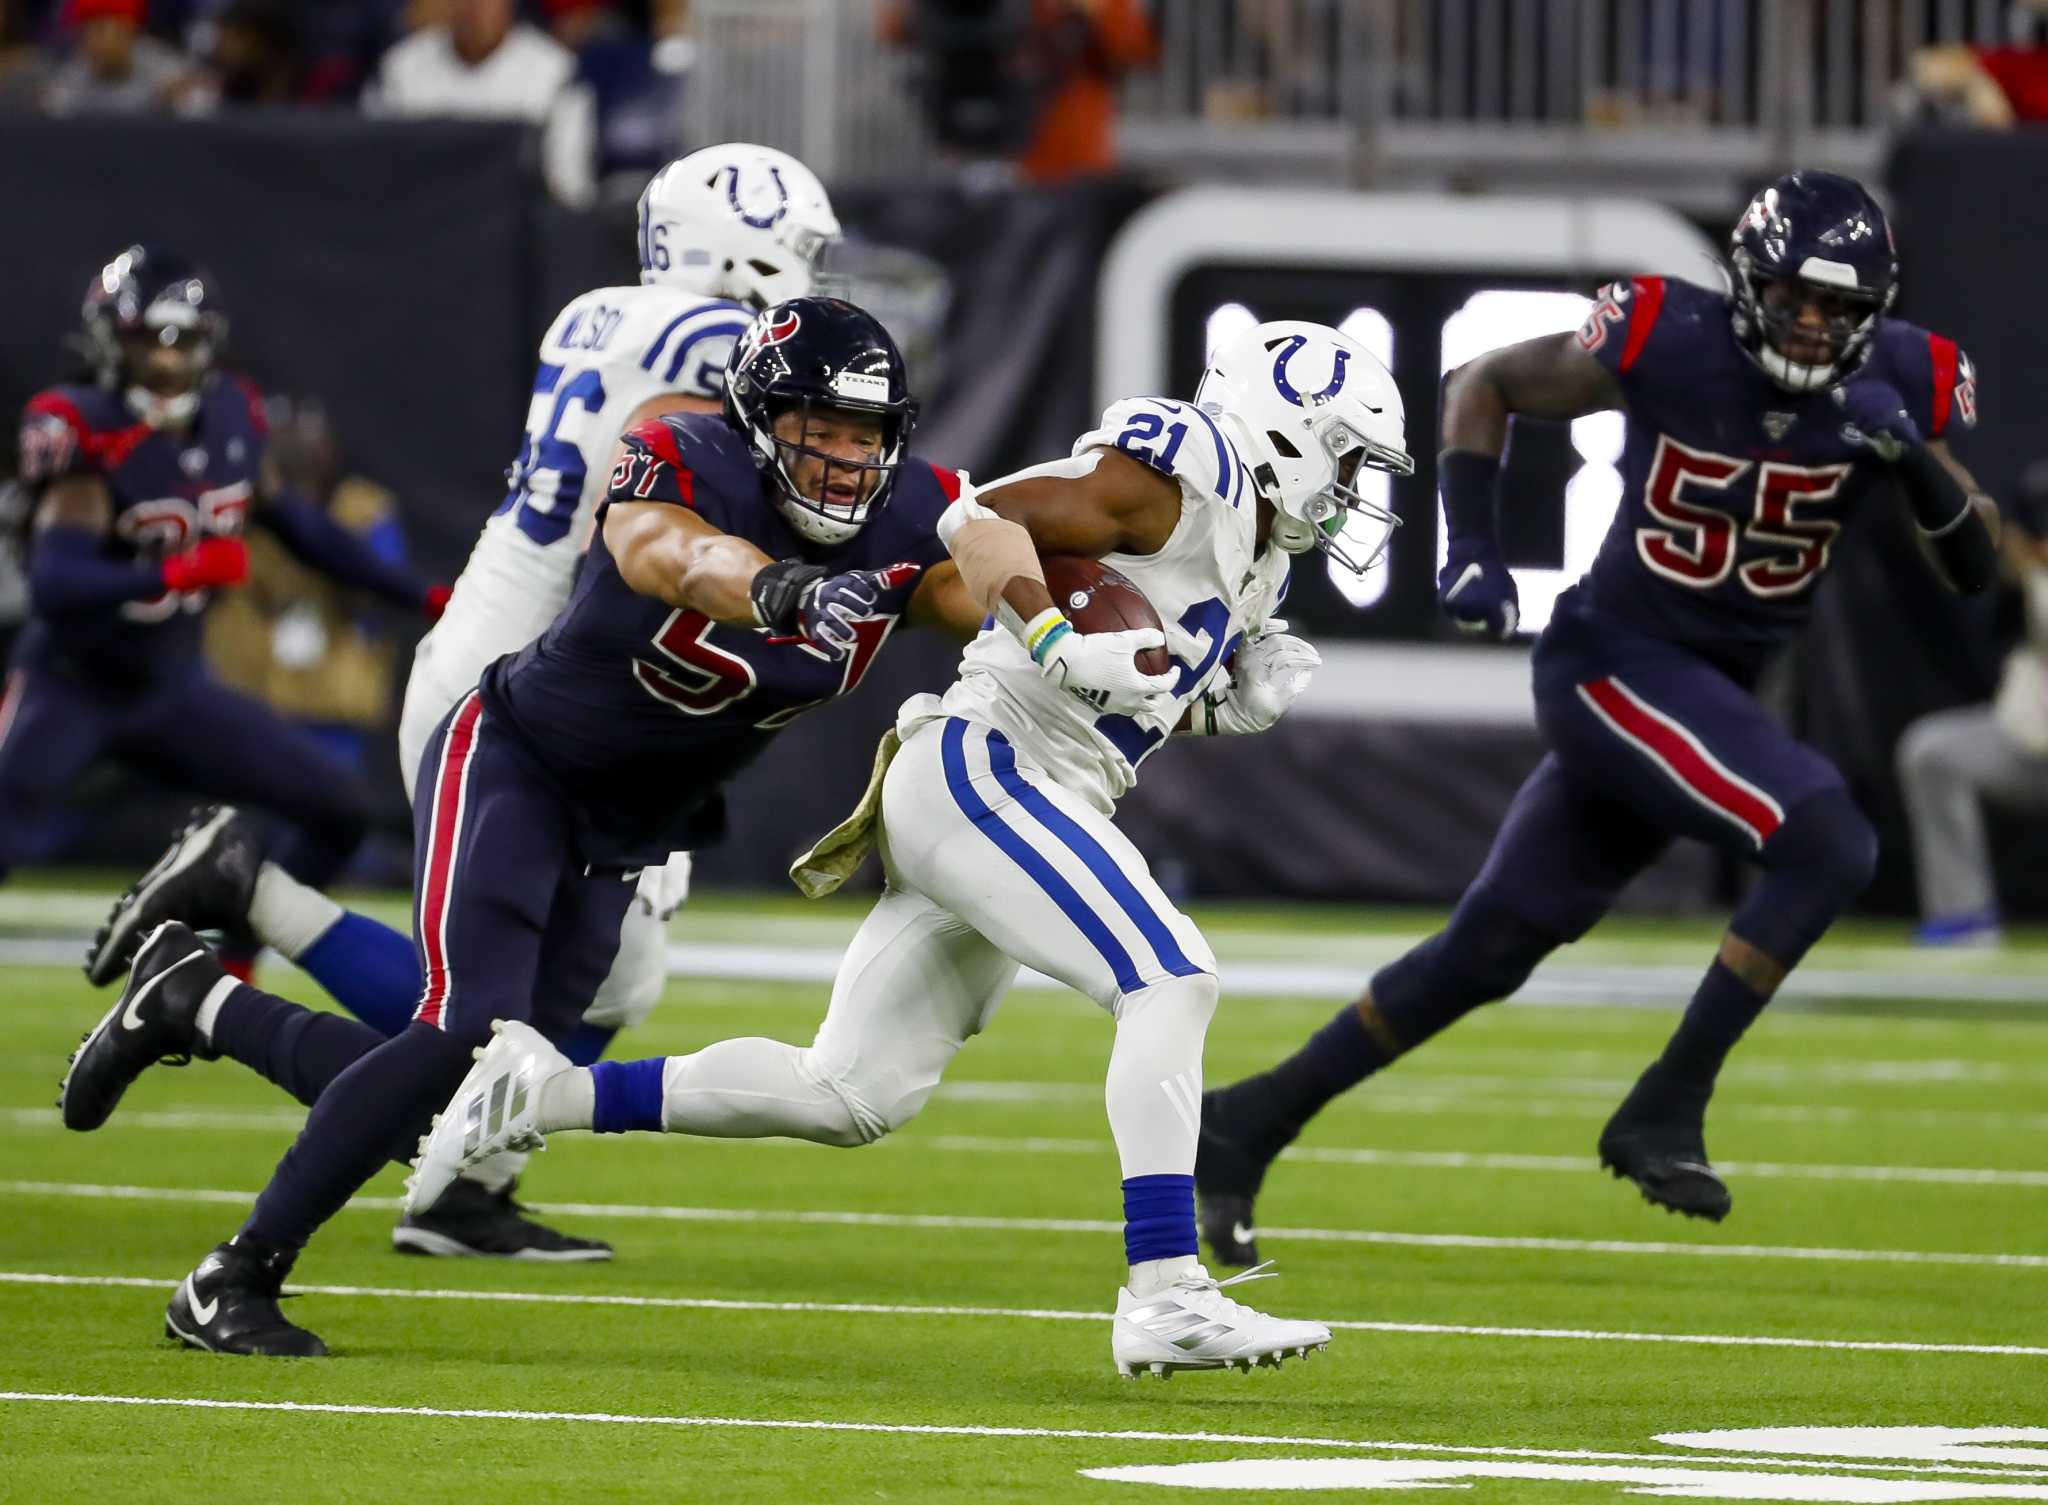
[736, 221]
[1311, 409]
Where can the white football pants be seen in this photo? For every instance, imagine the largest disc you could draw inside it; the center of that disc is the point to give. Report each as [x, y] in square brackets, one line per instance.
[990, 865]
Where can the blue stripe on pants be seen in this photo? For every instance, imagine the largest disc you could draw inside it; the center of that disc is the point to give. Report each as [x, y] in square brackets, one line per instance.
[1002, 762]
[952, 752]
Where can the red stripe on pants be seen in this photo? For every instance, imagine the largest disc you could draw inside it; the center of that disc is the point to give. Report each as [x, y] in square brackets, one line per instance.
[451, 783]
[1683, 761]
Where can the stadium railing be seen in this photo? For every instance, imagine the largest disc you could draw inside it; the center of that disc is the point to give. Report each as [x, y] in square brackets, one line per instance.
[1646, 92]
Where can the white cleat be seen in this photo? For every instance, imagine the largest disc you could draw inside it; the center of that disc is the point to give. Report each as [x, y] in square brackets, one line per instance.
[1193, 1325]
[492, 1111]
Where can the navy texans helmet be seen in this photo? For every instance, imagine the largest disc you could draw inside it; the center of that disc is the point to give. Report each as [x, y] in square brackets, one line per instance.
[810, 354]
[1815, 267]
[149, 300]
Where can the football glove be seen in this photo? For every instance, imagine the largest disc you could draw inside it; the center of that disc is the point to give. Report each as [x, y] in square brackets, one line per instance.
[1099, 668]
[805, 601]
[1874, 417]
[1267, 675]
[1476, 590]
[208, 563]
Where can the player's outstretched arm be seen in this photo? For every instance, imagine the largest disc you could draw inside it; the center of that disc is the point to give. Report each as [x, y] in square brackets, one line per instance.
[943, 603]
[673, 555]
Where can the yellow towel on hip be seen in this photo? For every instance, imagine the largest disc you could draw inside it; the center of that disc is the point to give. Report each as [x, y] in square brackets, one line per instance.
[838, 854]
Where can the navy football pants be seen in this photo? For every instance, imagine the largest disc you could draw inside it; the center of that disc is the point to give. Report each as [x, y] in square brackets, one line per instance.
[1649, 742]
[192, 733]
[508, 925]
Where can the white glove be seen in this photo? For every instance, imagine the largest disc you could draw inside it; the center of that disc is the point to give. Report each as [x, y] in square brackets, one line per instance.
[1268, 675]
[1101, 667]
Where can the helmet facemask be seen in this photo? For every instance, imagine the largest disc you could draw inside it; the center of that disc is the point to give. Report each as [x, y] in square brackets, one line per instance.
[1797, 354]
[1322, 517]
[826, 495]
[160, 362]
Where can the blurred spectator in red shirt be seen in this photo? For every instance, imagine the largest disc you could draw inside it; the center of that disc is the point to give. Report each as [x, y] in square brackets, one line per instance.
[114, 65]
[1033, 79]
[1997, 87]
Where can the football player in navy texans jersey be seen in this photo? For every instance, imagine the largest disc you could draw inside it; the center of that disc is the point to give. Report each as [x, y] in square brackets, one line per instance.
[143, 481]
[1760, 420]
[746, 567]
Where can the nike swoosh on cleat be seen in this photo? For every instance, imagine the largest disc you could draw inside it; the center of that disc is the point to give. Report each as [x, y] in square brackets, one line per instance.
[204, 1311]
[1472, 572]
[1243, 1233]
[131, 1016]
[1694, 1165]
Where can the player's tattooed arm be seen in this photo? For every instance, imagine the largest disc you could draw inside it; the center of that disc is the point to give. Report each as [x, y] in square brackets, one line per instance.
[673, 555]
[1547, 377]
[1964, 557]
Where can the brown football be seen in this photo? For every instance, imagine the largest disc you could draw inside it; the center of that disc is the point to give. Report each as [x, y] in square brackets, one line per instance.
[1097, 598]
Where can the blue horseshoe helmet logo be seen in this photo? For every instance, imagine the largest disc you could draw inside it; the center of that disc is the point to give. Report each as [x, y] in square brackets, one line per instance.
[732, 197]
[1287, 390]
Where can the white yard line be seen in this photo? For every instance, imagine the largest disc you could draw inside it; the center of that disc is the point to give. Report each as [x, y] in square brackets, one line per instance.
[1073, 1434]
[1576, 982]
[938, 1222]
[271, 1121]
[1046, 1314]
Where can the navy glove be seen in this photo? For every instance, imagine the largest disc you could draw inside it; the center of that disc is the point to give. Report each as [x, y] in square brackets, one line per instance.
[1874, 417]
[1476, 589]
[827, 610]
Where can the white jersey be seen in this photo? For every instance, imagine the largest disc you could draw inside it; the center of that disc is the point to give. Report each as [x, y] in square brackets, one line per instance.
[1209, 584]
[606, 353]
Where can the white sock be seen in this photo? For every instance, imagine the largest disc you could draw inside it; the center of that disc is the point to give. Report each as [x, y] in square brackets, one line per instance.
[499, 1171]
[568, 1100]
[286, 914]
[1150, 1276]
[209, 1007]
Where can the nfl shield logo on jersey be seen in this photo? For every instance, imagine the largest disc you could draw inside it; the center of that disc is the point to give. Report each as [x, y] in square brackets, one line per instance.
[1778, 425]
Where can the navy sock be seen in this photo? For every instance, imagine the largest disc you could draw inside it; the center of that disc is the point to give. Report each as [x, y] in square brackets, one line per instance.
[1159, 1217]
[1265, 1112]
[373, 1113]
[1722, 1008]
[369, 969]
[629, 1097]
[587, 1043]
[298, 1048]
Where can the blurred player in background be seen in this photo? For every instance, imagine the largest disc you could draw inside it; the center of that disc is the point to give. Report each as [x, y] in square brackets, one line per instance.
[1759, 420]
[142, 481]
[744, 570]
[723, 232]
[992, 810]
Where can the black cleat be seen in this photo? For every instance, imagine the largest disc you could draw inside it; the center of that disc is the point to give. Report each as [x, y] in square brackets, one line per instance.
[468, 1222]
[204, 878]
[1228, 1174]
[229, 1305]
[1657, 1139]
[155, 1019]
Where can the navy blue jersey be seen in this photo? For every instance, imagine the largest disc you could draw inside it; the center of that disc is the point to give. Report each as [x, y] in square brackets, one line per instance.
[168, 492]
[643, 710]
[1734, 490]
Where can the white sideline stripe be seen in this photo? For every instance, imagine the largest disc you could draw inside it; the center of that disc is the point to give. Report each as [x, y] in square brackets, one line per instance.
[268, 1120]
[1049, 1314]
[1575, 983]
[1074, 1434]
[963, 1223]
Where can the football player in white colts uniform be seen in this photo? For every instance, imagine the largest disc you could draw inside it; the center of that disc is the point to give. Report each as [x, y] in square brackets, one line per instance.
[723, 233]
[993, 818]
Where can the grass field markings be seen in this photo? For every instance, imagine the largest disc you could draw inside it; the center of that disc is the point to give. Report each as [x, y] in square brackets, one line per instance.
[939, 1429]
[960, 1222]
[1402, 1099]
[272, 1120]
[1587, 983]
[1049, 1314]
